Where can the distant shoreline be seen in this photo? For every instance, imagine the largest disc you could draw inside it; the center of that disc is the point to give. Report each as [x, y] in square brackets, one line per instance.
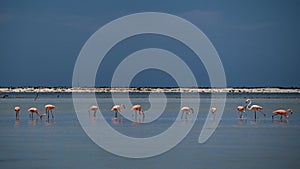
[146, 89]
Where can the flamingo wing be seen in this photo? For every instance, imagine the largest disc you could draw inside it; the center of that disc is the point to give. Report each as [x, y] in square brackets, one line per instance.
[94, 108]
[185, 109]
[241, 108]
[17, 108]
[49, 107]
[255, 107]
[136, 107]
[281, 112]
[32, 109]
[115, 107]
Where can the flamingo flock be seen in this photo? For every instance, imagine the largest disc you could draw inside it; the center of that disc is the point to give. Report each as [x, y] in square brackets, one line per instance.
[138, 111]
[257, 108]
[34, 110]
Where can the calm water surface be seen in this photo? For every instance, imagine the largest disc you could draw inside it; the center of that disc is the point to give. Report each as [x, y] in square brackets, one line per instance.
[62, 143]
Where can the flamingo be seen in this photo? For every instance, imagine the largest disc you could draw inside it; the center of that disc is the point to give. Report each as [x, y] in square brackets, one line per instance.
[94, 109]
[187, 111]
[138, 108]
[241, 110]
[117, 108]
[17, 110]
[254, 108]
[282, 113]
[49, 108]
[213, 110]
[35, 110]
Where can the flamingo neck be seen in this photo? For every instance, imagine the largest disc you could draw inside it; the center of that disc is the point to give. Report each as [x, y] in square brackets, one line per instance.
[38, 113]
[248, 105]
[122, 107]
[192, 110]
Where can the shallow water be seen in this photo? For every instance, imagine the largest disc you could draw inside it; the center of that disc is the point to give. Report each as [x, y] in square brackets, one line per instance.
[62, 143]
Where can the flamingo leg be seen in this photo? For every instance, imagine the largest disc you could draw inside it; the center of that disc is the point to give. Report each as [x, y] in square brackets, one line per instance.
[47, 114]
[274, 115]
[241, 115]
[52, 114]
[116, 114]
[135, 115]
[94, 113]
[143, 116]
[181, 115]
[263, 113]
[255, 114]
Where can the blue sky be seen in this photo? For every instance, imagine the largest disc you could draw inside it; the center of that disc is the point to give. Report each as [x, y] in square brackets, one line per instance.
[257, 41]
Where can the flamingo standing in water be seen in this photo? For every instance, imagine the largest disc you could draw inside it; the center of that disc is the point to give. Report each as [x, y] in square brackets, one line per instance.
[35, 110]
[49, 108]
[17, 110]
[282, 113]
[241, 110]
[213, 110]
[137, 108]
[117, 108]
[94, 109]
[187, 111]
[254, 108]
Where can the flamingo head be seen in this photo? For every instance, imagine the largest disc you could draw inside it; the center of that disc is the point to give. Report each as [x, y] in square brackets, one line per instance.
[42, 116]
[247, 101]
[290, 111]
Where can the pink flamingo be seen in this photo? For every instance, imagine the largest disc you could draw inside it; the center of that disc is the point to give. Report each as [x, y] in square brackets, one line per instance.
[187, 111]
[213, 111]
[35, 110]
[17, 110]
[49, 108]
[117, 108]
[254, 108]
[138, 108]
[94, 109]
[241, 110]
[284, 113]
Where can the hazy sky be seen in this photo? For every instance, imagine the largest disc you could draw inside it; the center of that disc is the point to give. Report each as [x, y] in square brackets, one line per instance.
[258, 41]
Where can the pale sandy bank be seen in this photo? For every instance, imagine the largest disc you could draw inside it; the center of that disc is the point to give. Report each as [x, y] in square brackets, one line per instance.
[195, 90]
